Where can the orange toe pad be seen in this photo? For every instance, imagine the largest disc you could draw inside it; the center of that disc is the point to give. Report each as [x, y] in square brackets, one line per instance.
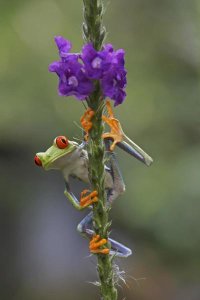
[89, 199]
[95, 244]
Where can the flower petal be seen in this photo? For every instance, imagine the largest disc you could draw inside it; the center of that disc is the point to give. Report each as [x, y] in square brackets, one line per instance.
[64, 46]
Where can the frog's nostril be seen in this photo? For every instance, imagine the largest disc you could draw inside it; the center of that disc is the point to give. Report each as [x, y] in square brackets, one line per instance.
[37, 161]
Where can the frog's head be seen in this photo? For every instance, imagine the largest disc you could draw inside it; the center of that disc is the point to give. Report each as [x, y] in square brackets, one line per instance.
[54, 157]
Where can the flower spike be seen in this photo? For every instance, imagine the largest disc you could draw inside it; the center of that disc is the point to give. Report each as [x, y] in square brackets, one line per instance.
[118, 137]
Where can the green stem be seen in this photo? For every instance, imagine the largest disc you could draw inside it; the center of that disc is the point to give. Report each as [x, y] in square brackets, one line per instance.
[95, 32]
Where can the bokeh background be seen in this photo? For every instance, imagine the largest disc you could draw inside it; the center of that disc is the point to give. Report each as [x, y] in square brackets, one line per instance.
[41, 254]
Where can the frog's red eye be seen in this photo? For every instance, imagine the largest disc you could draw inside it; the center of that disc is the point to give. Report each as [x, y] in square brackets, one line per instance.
[37, 161]
[62, 142]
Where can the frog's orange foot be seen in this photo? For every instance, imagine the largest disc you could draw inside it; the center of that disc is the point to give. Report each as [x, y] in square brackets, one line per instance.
[95, 244]
[89, 199]
[86, 121]
[116, 133]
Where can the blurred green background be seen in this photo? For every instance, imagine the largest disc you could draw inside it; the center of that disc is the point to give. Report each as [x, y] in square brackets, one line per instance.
[41, 254]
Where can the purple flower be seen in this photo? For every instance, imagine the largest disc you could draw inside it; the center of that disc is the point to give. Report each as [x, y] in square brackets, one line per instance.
[113, 84]
[114, 81]
[108, 67]
[96, 62]
[77, 72]
[72, 78]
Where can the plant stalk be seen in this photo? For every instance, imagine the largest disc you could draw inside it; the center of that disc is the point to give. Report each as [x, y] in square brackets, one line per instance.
[94, 32]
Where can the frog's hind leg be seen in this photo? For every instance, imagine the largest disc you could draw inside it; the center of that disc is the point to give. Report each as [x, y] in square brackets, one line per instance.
[118, 182]
[117, 249]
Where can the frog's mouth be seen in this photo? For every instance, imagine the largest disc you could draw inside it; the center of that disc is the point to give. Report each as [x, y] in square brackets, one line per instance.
[51, 161]
[47, 162]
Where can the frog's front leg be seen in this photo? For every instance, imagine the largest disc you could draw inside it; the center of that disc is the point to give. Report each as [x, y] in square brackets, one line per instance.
[118, 137]
[85, 200]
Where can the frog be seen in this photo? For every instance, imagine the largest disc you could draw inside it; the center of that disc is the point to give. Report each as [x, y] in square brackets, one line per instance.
[71, 158]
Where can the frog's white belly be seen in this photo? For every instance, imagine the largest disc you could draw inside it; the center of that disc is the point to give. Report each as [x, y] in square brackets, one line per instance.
[77, 165]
